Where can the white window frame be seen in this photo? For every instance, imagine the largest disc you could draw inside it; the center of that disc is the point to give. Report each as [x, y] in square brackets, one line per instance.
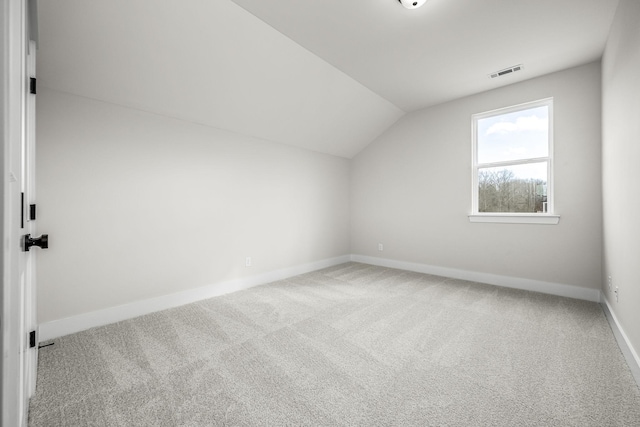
[512, 217]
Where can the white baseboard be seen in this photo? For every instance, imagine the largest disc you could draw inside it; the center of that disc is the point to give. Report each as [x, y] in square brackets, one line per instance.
[491, 279]
[632, 350]
[81, 322]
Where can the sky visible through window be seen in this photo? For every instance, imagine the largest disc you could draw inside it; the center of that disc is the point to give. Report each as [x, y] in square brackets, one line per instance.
[516, 136]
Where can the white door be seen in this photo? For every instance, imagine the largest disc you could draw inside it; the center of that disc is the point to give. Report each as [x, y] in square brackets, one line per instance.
[19, 356]
[29, 254]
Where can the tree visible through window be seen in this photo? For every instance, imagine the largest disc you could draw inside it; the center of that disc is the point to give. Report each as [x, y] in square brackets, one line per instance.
[512, 158]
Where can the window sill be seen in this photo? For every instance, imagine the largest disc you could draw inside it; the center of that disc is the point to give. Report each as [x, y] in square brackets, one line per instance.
[514, 218]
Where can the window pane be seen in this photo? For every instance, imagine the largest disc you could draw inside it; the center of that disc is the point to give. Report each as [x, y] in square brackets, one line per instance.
[519, 188]
[514, 136]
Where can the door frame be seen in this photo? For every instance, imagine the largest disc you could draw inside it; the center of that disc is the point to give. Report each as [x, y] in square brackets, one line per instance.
[13, 104]
[30, 318]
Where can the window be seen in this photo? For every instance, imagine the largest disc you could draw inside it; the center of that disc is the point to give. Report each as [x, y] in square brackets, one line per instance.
[513, 164]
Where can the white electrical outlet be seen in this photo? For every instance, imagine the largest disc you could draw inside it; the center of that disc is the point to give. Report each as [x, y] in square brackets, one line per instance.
[248, 262]
[609, 282]
[380, 247]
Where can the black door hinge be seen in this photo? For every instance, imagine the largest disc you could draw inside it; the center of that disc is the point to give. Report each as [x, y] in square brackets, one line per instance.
[32, 339]
[32, 212]
[32, 85]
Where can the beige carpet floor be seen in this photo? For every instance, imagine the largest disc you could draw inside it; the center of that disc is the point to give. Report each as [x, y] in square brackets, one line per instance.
[351, 345]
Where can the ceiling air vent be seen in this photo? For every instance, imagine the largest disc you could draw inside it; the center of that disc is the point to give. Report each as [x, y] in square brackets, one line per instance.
[506, 71]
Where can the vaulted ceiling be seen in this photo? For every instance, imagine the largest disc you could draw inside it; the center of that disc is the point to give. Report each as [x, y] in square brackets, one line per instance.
[325, 75]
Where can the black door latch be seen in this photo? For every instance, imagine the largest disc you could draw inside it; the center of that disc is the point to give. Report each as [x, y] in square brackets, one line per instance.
[41, 242]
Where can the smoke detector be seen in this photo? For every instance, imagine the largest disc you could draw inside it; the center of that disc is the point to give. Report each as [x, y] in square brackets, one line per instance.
[506, 71]
[412, 4]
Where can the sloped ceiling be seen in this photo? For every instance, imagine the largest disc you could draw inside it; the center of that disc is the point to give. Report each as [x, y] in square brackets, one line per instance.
[325, 75]
[208, 62]
[445, 49]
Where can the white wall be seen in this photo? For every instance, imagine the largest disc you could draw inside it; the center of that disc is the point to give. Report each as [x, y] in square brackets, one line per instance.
[411, 189]
[138, 205]
[620, 169]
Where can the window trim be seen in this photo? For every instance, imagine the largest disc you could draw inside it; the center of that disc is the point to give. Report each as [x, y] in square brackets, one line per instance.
[550, 217]
[515, 218]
